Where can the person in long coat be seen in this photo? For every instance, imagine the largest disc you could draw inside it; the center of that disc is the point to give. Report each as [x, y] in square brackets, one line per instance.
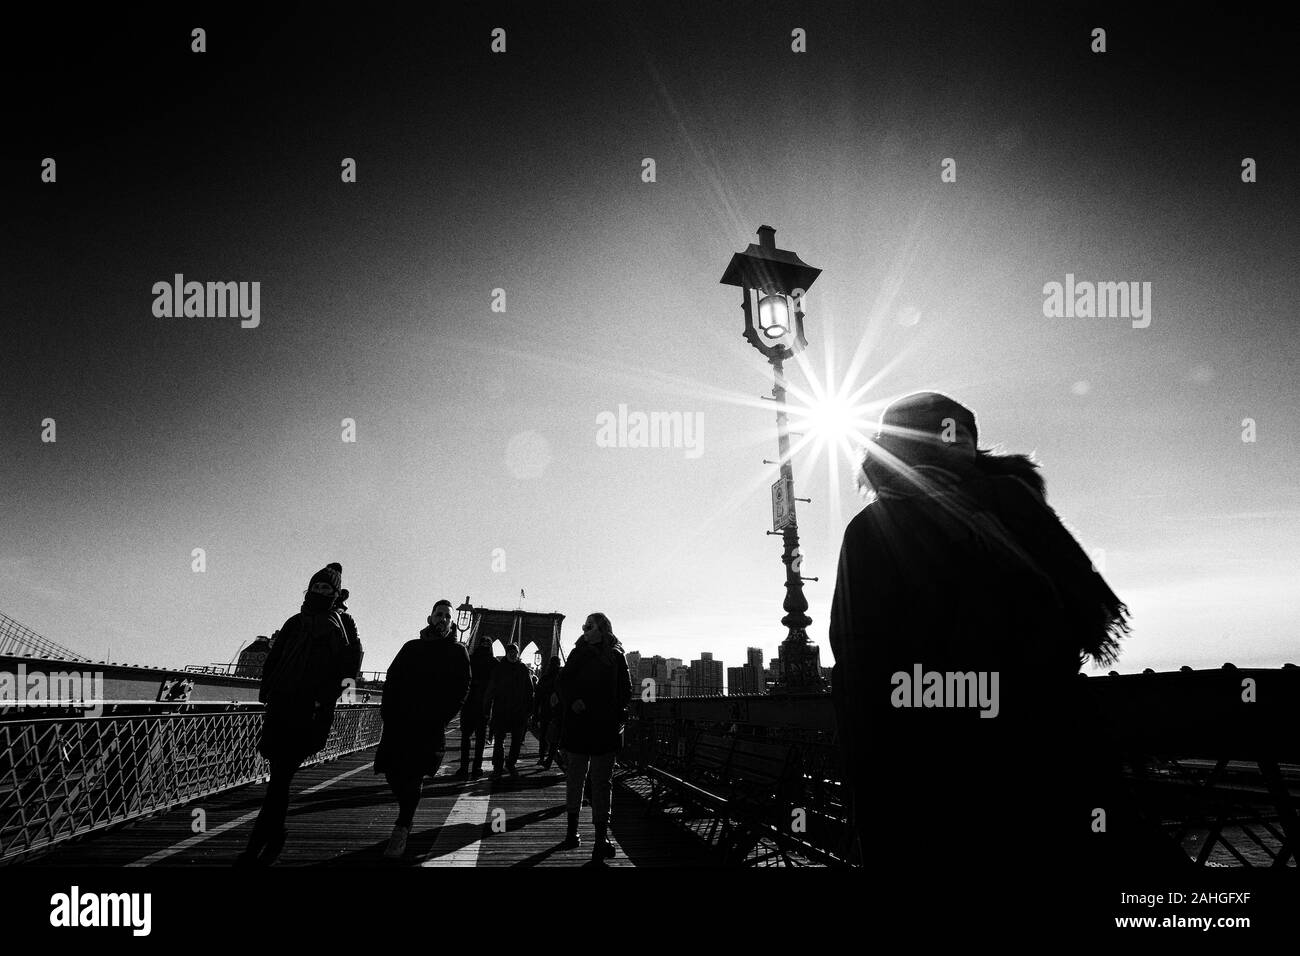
[963, 611]
[425, 686]
[546, 712]
[310, 658]
[595, 693]
[509, 699]
[473, 719]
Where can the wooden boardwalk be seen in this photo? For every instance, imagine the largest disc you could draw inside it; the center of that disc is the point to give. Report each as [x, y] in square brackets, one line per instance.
[341, 814]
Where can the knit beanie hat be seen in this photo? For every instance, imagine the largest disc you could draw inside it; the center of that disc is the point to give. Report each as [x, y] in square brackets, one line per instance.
[925, 412]
[332, 574]
[911, 429]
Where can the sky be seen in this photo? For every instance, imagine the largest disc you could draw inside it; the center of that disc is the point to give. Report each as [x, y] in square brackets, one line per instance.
[476, 467]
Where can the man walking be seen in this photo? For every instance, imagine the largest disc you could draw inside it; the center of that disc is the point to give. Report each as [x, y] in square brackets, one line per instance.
[473, 720]
[426, 684]
[509, 699]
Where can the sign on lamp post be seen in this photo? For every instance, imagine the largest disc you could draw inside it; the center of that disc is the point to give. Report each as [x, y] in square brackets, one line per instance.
[783, 504]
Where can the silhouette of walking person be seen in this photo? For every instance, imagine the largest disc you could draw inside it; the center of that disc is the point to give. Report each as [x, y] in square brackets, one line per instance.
[509, 698]
[309, 659]
[473, 718]
[424, 687]
[547, 713]
[963, 611]
[595, 692]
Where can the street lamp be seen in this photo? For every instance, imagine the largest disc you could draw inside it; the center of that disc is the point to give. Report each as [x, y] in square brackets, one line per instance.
[776, 280]
[464, 615]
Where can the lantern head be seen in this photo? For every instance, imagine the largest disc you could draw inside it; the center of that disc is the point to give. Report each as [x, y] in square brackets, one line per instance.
[777, 279]
[464, 615]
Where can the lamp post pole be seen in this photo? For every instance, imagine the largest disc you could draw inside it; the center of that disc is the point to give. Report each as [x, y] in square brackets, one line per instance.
[799, 673]
[779, 279]
[796, 606]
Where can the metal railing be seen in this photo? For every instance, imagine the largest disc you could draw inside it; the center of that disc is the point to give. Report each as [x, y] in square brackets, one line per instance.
[662, 735]
[254, 672]
[64, 778]
[1218, 775]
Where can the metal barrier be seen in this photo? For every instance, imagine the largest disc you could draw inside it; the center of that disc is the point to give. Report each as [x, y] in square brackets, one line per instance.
[661, 734]
[254, 672]
[1217, 772]
[61, 778]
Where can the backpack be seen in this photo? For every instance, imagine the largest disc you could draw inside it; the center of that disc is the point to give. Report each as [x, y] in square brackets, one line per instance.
[307, 665]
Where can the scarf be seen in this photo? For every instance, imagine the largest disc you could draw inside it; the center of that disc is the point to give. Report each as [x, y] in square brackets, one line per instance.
[316, 604]
[607, 650]
[1011, 522]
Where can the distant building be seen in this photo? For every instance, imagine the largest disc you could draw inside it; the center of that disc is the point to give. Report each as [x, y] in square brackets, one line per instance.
[253, 658]
[735, 681]
[656, 668]
[670, 678]
[706, 676]
[679, 683]
[754, 656]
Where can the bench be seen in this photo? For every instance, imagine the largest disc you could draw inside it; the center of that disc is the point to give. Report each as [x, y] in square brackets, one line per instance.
[746, 787]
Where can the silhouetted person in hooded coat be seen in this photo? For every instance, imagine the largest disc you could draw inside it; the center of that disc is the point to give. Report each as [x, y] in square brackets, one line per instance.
[959, 568]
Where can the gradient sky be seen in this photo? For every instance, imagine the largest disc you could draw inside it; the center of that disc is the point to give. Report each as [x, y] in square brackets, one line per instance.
[476, 430]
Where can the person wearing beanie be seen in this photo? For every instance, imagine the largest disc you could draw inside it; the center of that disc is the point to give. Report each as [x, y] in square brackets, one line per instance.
[310, 658]
[425, 686]
[509, 700]
[958, 566]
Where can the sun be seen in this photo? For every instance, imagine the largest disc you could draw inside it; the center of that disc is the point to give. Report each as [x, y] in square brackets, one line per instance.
[832, 420]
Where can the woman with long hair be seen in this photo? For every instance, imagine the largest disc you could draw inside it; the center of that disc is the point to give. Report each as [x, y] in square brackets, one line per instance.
[595, 693]
[963, 611]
